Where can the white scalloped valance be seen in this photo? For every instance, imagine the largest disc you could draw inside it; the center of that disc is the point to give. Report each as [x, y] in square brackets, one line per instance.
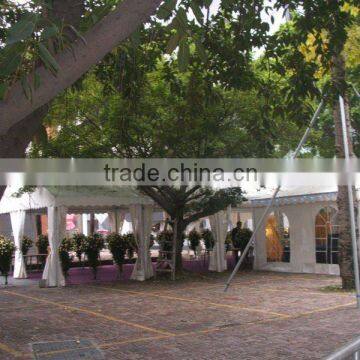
[72, 197]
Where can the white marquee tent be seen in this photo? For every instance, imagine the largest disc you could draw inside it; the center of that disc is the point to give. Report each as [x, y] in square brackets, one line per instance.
[116, 201]
[312, 245]
[58, 201]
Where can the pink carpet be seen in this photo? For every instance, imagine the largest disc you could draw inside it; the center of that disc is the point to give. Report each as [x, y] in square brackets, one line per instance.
[109, 273]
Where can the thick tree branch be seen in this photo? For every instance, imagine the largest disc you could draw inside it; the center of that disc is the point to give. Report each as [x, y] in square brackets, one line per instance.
[165, 191]
[148, 190]
[192, 190]
[17, 139]
[194, 217]
[100, 40]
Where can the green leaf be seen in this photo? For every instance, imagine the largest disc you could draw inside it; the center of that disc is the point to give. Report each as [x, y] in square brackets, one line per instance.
[78, 34]
[183, 55]
[3, 90]
[26, 87]
[166, 9]
[173, 43]
[200, 49]
[8, 65]
[135, 39]
[37, 81]
[48, 60]
[21, 30]
[180, 21]
[50, 32]
[197, 12]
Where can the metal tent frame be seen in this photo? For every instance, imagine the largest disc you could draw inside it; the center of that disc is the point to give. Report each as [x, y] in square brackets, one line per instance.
[350, 197]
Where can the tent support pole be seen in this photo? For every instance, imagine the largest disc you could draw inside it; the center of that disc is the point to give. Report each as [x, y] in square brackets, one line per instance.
[351, 200]
[258, 225]
[356, 91]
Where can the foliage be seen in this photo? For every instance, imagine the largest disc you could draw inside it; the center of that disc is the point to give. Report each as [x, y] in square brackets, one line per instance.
[240, 238]
[93, 244]
[34, 32]
[24, 190]
[78, 244]
[301, 53]
[42, 244]
[26, 244]
[228, 241]
[208, 238]
[194, 238]
[118, 246]
[26, 43]
[152, 241]
[131, 245]
[7, 248]
[165, 239]
[65, 258]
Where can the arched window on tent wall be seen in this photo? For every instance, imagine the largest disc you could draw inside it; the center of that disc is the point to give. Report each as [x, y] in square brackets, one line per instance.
[327, 236]
[277, 233]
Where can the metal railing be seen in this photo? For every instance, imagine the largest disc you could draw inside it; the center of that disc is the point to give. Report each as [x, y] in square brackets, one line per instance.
[349, 351]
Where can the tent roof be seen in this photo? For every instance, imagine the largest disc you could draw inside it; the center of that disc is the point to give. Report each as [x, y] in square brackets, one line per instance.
[72, 197]
[286, 196]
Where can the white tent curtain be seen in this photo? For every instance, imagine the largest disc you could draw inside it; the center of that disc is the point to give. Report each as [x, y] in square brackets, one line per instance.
[219, 224]
[18, 225]
[116, 220]
[141, 217]
[53, 274]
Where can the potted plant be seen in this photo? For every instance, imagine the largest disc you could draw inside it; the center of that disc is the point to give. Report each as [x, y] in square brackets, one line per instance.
[194, 238]
[240, 237]
[26, 244]
[65, 257]
[118, 247]
[92, 247]
[42, 244]
[78, 245]
[131, 246]
[7, 248]
[209, 239]
[165, 240]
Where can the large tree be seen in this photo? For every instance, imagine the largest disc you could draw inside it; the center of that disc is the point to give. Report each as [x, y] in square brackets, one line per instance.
[138, 103]
[309, 51]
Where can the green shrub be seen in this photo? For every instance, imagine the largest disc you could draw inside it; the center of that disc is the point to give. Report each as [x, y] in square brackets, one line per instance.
[26, 244]
[209, 239]
[165, 240]
[131, 245]
[92, 246]
[152, 240]
[194, 238]
[65, 257]
[7, 248]
[42, 244]
[240, 238]
[118, 247]
[228, 241]
[78, 245]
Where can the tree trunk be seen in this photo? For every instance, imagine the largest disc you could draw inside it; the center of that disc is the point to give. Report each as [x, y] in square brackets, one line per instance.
[345, 244]
[178, 228]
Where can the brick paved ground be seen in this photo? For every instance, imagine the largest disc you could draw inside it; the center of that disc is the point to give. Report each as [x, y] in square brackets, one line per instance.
[262, 316]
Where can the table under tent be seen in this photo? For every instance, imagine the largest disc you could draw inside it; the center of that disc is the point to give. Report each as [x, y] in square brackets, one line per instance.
[57, 202]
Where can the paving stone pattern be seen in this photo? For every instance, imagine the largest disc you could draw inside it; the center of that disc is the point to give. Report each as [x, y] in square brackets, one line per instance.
[262, 316]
